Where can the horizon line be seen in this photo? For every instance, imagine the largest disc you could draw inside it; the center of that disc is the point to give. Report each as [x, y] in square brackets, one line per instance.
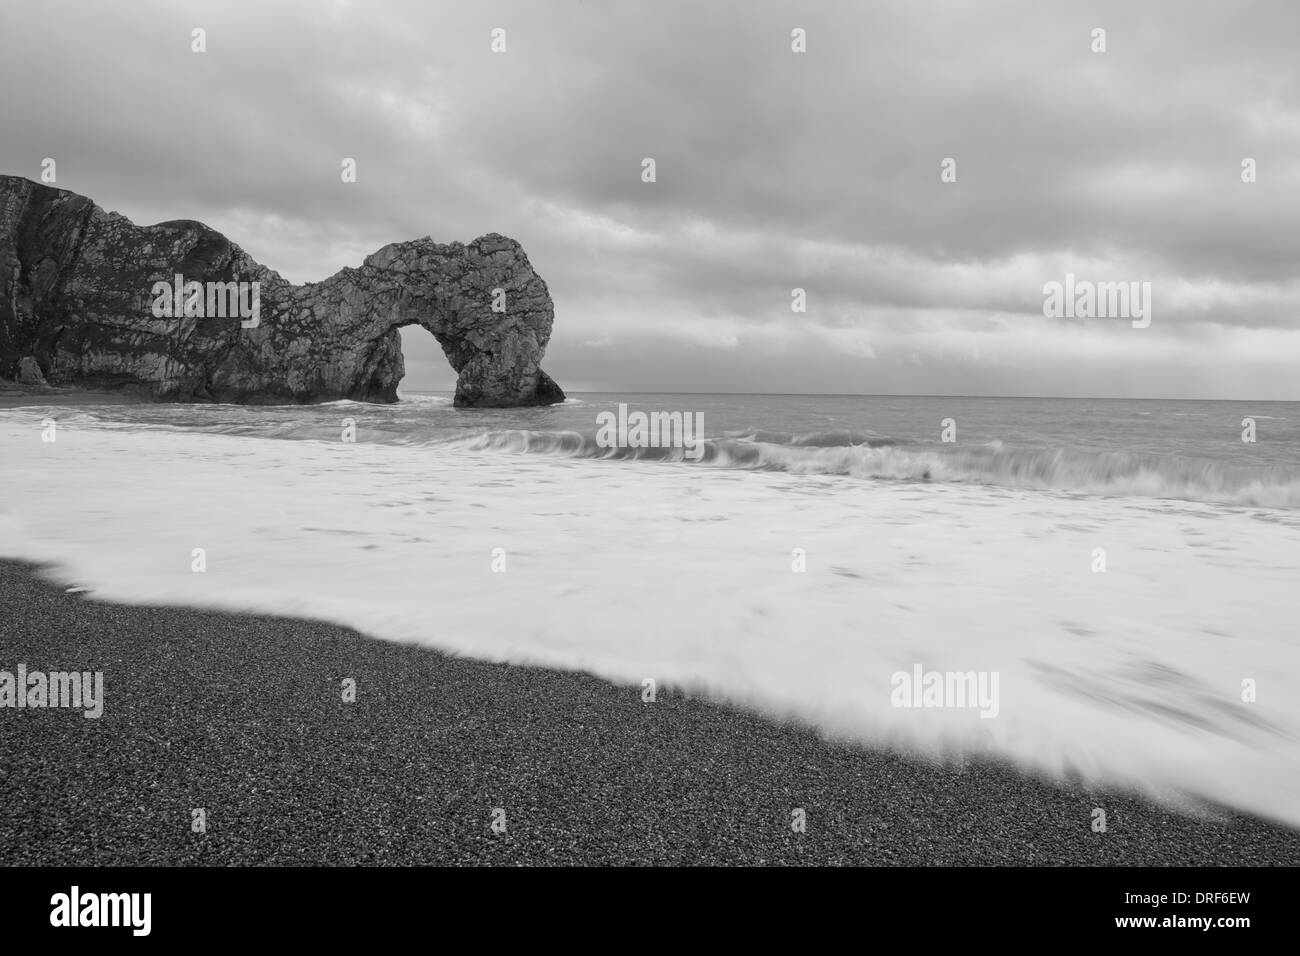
[1080, 398]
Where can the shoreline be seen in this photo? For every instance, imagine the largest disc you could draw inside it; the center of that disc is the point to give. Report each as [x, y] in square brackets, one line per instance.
[243, 717]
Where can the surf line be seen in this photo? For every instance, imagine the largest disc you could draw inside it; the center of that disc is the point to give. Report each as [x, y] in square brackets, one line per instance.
[683, 430]
[958, 689]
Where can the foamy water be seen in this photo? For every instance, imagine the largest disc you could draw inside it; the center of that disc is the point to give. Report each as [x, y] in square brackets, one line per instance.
[636, 569]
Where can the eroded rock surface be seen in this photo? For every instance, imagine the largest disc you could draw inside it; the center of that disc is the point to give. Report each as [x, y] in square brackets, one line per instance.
[77, 299]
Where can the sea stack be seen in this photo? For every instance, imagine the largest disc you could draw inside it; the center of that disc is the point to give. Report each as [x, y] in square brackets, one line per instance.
[86, 300]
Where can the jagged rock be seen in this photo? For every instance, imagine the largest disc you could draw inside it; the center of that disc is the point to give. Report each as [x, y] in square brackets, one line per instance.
[29, 373]
[77, 293]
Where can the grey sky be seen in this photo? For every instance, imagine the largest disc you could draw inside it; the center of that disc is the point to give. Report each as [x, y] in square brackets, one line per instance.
[775, 170]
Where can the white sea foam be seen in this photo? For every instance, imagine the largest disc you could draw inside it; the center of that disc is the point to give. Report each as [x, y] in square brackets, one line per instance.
[683, 573]
[416, 398]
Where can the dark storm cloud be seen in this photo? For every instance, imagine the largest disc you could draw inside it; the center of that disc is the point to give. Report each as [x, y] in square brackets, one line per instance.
[775, 170]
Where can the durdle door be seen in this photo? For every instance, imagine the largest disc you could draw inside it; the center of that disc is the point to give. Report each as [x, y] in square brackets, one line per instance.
[176, 310]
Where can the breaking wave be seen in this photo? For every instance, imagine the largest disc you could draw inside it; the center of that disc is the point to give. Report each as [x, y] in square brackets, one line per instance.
[864, 456]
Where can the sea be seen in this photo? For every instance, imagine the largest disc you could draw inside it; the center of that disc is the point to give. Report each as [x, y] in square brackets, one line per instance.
[1125, 573]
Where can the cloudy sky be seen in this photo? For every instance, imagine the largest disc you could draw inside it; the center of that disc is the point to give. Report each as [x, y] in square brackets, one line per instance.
[775, 170]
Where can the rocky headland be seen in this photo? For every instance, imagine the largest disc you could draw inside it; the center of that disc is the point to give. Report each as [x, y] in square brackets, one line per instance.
[84, 303]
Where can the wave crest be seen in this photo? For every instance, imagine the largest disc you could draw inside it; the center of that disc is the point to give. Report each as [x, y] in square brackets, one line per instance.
[1070, 470]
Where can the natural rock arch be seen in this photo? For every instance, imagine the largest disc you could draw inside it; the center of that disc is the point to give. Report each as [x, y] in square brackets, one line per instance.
[76, 295]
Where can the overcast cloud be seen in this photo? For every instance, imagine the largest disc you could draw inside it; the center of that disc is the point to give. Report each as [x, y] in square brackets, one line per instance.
[775, 170]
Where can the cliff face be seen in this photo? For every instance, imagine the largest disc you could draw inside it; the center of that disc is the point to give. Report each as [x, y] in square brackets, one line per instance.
[78, 297]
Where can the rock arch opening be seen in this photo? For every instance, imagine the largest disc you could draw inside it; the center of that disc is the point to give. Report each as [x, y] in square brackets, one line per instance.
[425, 365]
